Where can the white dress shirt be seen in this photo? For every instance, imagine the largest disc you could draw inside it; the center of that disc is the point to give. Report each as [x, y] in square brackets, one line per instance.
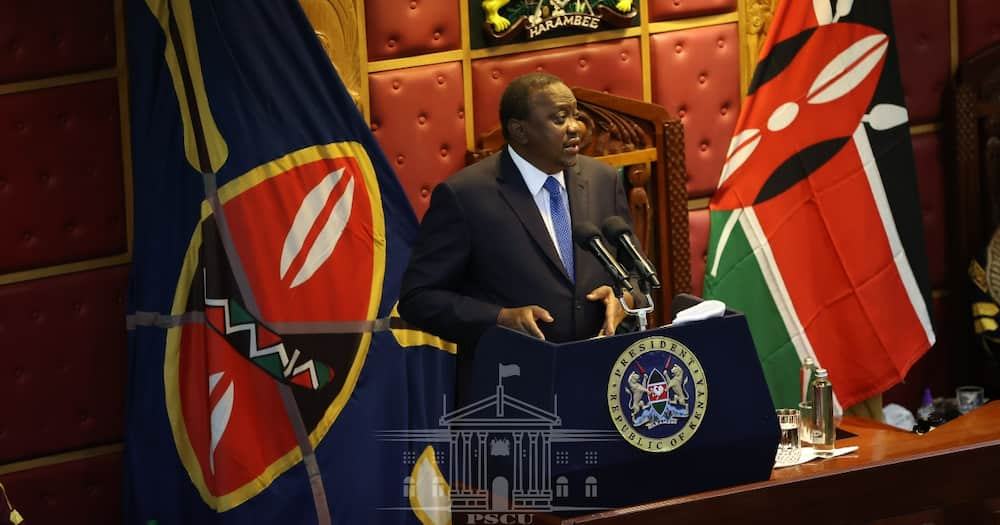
[534, 178]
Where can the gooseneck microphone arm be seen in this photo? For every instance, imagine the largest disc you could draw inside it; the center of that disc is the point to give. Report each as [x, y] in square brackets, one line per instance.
[618, 232]
[588, 237]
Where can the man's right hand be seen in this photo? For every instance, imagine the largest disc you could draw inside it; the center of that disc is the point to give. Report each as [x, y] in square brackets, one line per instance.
[523, 319]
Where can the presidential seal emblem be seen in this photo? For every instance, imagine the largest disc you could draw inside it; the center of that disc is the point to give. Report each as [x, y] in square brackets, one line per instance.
[657, 394]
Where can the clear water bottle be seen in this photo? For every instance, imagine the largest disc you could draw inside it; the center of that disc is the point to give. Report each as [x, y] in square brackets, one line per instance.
[824, 432]
[806, 374]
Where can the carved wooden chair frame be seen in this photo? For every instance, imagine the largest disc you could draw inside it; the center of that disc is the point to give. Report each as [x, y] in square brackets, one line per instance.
[974, 193]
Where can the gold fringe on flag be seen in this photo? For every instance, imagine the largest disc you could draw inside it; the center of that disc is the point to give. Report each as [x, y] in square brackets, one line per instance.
[15, 516]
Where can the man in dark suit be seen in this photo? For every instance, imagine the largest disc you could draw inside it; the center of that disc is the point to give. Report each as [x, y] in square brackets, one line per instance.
[494, 246]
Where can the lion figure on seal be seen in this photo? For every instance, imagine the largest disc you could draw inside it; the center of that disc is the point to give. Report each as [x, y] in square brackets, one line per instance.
[676, 384]
[637, 388]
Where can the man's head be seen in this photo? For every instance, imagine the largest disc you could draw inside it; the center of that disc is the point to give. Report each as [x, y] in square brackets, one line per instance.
[538, 115]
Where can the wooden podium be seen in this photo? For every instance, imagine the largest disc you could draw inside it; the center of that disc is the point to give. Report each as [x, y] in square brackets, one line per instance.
[949, 476]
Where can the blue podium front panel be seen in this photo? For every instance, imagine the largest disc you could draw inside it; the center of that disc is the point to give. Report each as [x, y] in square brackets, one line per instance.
[616, 421]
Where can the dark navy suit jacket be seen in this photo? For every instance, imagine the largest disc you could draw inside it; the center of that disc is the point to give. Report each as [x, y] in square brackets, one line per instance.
[482, 246]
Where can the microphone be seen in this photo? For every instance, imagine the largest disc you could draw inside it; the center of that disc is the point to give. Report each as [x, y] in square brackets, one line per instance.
[588, 237]
[617, 231]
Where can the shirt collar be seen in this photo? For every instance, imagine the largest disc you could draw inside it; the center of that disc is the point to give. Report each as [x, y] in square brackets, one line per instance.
[533, 177]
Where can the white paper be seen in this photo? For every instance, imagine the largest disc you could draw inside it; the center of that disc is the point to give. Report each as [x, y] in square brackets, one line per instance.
[700, 311]
[808, 454]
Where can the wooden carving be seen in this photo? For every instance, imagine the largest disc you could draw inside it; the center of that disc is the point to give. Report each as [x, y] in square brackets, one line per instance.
[991, 149]
[336, 25]
[606, 133]
[758, 15]
[610, 133]
[974, 210]
[977, 149]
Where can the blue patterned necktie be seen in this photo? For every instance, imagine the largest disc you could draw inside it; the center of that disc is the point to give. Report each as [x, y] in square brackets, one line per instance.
[560, 223]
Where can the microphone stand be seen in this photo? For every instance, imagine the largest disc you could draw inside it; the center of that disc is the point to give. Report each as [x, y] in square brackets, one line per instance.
[642, 311]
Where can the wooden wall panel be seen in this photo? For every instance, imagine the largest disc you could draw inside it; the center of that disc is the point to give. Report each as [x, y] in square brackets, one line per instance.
[924, 59]
[418, 116]
[674, 9]
[696, 77]
[85, 491]
[402, 28]
[610, 67]
[66, 367]
[55, 37]
[63, 179]
[978, 25]
[64, 248]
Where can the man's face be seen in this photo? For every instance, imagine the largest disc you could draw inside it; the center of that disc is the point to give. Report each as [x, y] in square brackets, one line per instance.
[550, 137]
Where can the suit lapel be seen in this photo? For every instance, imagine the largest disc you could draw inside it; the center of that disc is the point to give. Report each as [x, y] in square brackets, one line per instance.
[515, 192]
[576, 185]
[579, 207]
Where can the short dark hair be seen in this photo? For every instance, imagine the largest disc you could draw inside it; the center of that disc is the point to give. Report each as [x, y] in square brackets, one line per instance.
[515, 102]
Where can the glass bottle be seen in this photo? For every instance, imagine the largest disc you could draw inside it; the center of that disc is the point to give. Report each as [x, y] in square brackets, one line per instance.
[806, 374]
[824, 432]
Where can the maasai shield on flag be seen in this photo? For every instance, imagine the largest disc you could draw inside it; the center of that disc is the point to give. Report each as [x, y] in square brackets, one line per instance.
[270, 239]
[816, 231]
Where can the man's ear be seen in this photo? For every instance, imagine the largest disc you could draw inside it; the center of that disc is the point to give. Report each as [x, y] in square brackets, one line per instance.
[516, 131]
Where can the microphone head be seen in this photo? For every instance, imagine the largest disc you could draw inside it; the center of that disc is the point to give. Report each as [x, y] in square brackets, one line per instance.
[583, 232]
[614, 227]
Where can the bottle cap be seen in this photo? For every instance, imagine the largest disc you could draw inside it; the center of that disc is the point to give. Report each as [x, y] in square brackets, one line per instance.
[821, 372]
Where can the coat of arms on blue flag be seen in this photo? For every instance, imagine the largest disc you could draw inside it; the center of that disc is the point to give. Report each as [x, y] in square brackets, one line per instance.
[270, 238]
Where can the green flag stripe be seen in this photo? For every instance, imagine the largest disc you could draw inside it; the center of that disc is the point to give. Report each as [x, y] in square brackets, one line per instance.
[772, 275]
[743, 287]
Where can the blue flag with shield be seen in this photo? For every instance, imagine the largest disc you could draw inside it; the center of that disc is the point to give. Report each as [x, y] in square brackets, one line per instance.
[270, 238]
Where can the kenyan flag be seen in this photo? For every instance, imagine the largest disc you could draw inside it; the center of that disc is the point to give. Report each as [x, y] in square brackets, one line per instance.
[816, 230]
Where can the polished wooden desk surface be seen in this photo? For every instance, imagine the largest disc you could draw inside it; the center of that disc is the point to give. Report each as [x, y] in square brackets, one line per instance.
[880, 443]
[893, 473]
